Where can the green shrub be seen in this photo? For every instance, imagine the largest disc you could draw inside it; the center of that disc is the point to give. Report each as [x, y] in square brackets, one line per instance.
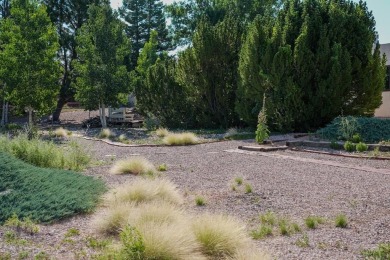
[238, 180]
[356, 139]
[370, 129]
[349, 146]
[45, 154]
[341, 221]
[248, 188]
[44, 195]
[381, 253]
[361, 147]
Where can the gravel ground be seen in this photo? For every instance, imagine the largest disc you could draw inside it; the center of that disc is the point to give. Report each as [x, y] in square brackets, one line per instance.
[291, 188]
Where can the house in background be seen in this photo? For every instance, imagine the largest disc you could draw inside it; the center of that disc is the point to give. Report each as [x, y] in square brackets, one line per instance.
[384, 109]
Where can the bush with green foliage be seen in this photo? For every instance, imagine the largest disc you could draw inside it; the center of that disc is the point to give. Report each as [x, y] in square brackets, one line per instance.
[262, 132]
[349, 146]
[280, 54]
[370, 129]
[341, 221]
[44, 195]
[361, 147]
[356, 139]
[45, 154]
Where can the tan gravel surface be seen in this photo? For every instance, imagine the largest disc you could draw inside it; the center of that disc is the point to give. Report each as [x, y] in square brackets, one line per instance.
[291, 188]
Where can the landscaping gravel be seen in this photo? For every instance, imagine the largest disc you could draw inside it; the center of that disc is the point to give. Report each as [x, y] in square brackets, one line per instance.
[294, 189]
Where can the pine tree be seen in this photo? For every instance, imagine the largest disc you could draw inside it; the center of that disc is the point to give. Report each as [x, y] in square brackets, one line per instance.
[142, 17]
[102, 78]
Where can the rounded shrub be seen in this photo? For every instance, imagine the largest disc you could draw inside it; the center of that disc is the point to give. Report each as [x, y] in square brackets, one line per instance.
[349, 146]
[361, 147]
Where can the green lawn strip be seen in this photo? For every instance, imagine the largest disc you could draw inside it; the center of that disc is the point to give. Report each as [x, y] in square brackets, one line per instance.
[44, 195]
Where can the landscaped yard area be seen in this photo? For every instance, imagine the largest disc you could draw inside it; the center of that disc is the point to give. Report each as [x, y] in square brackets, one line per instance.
[294, 205]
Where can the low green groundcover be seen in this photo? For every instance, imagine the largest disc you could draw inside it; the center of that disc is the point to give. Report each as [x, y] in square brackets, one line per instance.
[370, 129]
[44, 195]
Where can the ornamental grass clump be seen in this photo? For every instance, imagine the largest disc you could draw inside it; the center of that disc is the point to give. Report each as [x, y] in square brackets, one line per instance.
[219, 235]
[162, 132]
[134, 165]
[181, 139]
[61, 132]
[145, 190]
[106, 133]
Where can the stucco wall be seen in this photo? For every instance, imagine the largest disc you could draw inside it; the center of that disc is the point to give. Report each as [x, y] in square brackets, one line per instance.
[384, 109]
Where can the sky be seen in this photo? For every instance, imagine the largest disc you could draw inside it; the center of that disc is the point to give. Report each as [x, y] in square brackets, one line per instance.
[380, 9]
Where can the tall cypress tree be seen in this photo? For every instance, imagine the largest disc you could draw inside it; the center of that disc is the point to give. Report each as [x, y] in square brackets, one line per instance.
[142, 17]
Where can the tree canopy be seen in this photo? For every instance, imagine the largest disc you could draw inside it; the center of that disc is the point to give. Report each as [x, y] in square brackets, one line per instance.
[102, 78]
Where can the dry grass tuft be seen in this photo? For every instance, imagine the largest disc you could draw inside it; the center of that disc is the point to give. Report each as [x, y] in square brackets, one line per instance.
[106, 133]
[134, 165]
[61, 132]
[169, 241]
[113, 219]
[162, 132]
[155, 212]
[231, 132]
[181, 139]
[220, 235]
[145, 190]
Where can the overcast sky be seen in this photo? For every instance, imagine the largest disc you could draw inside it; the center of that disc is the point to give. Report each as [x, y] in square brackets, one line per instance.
[380, 9]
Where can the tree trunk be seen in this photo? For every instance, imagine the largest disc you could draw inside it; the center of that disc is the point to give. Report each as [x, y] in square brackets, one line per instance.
[103, 116]
[60, 104]
[2, 123]
[6, 121]
[30, 116]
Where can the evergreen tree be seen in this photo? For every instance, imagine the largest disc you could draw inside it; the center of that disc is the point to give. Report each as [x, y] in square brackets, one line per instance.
[68, 16]
[102, 78]
[142, 17]
[315, 67]
[209, 70]
[28, 65]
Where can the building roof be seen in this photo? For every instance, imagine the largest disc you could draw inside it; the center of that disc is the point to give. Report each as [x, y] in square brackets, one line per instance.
[385, 49]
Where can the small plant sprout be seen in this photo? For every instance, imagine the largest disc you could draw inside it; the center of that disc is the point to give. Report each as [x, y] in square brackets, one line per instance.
[268, 218]
[248, 188]
[303, 241]
[262, 232]
[238, 180]
[313, 221]
[341, 221]
[200, 201]
[162, 167]
[72, 232]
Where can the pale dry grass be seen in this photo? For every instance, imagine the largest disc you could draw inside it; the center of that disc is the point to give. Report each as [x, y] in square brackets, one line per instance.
[155, 212]
[145, 190]
[61, 132]
[231, 132]
[181, 139]
[169, 241]
[134, 165]
[112, 219]
[162, 132]
[106, 133]
[220, 235]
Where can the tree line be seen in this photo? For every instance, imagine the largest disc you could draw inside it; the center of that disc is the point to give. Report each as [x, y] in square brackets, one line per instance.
[213, 64]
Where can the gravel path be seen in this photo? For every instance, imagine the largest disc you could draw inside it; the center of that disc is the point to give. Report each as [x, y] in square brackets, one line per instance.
[292, 188]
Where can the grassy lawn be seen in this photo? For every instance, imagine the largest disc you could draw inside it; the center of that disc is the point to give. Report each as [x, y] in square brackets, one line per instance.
[44, 195]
